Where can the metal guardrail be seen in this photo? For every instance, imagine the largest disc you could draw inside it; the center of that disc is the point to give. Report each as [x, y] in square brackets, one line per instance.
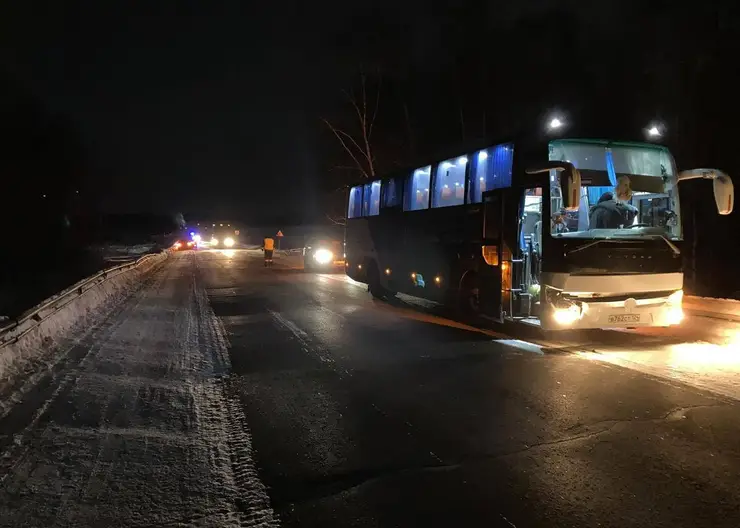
[12, 331]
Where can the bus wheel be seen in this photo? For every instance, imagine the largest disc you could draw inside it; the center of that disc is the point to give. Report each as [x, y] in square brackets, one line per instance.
[373, 282]
[468, 301]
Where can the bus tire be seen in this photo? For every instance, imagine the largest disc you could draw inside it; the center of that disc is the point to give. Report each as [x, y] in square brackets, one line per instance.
[468, 303]
[373, 282]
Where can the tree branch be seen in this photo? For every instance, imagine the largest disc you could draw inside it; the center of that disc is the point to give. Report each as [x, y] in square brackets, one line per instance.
[338, 133]
[335, 221]
[375, 110]
[366, 152]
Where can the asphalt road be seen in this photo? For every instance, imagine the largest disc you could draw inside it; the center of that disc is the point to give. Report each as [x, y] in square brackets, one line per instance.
[226, 394]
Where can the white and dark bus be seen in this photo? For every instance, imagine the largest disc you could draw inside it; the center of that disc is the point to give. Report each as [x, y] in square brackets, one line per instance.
[516, 231]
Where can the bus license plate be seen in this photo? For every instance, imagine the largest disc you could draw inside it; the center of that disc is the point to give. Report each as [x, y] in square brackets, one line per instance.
[625, 318]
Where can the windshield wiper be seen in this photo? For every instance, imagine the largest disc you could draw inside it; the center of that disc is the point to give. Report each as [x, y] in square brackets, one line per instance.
[671, 245]
[594, 243]
[674, 247]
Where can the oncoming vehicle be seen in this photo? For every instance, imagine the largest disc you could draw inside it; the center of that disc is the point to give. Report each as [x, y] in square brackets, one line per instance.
[323, 254]
[182, 245]
[225, 238]
[566, 233]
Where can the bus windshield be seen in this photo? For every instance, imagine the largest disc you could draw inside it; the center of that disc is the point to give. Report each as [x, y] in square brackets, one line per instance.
[628, 191]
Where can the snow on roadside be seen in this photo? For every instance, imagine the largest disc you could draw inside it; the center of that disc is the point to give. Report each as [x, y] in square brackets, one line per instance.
[144, 429]
[711, 307]
[26, 360]
[703, 352]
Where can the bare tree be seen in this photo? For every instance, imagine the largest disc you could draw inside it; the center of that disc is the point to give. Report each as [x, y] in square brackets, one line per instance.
[357, 141]
[357, 138]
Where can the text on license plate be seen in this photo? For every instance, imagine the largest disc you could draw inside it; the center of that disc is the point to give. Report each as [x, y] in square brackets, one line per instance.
[624, 318]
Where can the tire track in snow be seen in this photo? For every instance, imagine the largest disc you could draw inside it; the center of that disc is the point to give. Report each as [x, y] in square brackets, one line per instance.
[236, 457]
[57, 379]
[141, 429]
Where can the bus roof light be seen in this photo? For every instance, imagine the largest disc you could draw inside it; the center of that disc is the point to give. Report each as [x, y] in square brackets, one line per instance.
[654, 131]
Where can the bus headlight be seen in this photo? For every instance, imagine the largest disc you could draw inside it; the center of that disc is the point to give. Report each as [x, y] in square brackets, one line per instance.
[228, 242]
[567, 316]
[675, 298]
[323, 256]
[214, 241]
[674, 315]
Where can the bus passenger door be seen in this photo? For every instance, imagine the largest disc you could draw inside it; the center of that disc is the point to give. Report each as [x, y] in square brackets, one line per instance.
[489, 289]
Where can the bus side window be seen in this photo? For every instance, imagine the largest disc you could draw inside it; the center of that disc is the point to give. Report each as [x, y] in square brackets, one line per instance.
[371, 199]
[354, 208]
[449, 182]
[491, 168]
[416, 196]
[391, 192]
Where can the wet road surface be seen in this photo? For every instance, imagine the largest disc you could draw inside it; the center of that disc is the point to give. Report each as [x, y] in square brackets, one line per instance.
[227, 394]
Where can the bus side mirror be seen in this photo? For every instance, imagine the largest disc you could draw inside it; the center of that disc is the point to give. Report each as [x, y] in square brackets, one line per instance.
[724, 190]
[570, 181]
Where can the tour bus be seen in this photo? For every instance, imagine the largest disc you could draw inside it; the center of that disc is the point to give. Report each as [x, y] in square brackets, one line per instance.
[503, 232]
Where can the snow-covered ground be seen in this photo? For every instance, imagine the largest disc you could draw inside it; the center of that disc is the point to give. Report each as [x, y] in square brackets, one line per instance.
[138, 416]
[120, 251]
[703, 352]
[30, 349]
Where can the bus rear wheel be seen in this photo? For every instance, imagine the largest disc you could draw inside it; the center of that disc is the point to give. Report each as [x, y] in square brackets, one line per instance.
[468, 299]
[374, 286]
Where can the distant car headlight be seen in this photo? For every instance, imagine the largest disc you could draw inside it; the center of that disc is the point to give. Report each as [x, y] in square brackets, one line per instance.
[323, 256]
[228, 242]
[214, 241]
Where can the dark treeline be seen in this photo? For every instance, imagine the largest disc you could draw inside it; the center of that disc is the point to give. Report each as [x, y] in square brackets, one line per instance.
[48, 200]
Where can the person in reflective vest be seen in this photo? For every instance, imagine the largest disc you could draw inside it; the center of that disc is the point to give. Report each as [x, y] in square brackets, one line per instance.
[268, 246]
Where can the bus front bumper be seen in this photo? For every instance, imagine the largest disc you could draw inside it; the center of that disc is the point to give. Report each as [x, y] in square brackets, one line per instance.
[665, 311]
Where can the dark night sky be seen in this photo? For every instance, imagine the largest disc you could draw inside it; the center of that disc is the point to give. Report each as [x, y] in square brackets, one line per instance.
[182, 108]
[213, 107]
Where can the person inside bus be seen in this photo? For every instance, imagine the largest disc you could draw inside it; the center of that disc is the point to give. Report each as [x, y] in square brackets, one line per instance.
[608, 213]
[658, 215]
